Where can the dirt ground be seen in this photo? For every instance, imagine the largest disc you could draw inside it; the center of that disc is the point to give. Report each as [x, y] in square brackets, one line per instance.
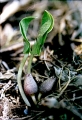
[59, 62]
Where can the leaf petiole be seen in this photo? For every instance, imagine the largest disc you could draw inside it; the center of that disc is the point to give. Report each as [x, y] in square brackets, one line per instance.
[19, 80]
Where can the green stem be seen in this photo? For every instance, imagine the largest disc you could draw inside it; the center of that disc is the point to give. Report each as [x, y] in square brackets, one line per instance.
[19, 80]
[29, 64]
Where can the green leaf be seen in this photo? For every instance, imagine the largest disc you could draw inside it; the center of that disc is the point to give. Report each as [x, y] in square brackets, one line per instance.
[46, 26]
[52, 24]
[24, 23]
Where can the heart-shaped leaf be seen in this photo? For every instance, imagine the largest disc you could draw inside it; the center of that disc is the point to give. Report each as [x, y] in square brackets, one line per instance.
[46, 26]
[24, 23]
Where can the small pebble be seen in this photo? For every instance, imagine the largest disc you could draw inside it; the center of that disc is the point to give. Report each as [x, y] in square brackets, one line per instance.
[26, 111]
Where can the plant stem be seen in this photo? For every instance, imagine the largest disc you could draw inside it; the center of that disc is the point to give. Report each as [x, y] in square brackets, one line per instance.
[29, 64]
[19, 80]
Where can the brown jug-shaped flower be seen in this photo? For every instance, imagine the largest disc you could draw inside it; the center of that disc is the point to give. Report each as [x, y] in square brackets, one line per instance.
[46, 86]
[30, 87]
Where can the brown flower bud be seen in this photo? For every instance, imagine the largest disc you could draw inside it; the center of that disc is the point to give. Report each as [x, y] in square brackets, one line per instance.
[30, 86]
[47, 85]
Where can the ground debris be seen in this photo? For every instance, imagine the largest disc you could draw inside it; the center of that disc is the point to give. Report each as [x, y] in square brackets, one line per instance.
[60, 59]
